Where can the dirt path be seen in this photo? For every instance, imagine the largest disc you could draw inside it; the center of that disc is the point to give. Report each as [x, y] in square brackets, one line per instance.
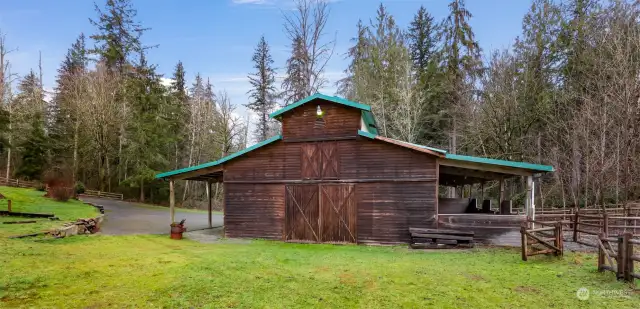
[129, 218]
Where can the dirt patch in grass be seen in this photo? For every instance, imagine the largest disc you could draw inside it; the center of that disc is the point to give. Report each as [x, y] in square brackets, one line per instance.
[526, 289]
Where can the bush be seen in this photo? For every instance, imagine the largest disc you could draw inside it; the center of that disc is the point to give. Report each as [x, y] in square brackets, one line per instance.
[40, 186]
[79, 188]
[61, 194]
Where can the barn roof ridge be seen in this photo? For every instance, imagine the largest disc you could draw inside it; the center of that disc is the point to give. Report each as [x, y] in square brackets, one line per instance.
[318, 95]
[221, 160]
[457, 157]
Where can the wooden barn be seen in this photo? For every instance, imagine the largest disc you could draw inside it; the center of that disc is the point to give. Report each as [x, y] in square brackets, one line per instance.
[330, 177]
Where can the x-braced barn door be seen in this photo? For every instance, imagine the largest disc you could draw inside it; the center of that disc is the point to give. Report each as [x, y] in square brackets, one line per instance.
[338, 212]
[321, 213]
[302, 213]
[319, 160]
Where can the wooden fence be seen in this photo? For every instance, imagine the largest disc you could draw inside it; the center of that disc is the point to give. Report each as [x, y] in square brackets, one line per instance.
[616, 254]
[16, 183]
[31, 184]
[541, 240]
[102, 194]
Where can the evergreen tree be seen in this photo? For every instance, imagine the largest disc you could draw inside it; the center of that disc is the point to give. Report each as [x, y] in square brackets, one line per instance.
[422, 37]
[263, 92]
[149, 130]
[4, 127]
[358, 53]
[70, 90]
[294, 85]
[34, 149]
[462, 64]
[118, 34]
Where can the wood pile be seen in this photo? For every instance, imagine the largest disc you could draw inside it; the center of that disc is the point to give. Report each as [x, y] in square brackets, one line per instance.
[440, 239]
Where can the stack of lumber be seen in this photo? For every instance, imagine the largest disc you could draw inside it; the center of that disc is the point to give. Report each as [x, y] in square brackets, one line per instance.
[438, 239]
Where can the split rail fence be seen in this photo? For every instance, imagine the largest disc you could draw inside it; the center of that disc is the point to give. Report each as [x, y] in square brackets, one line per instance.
[31, 184]
[16, 183]
[545, 239]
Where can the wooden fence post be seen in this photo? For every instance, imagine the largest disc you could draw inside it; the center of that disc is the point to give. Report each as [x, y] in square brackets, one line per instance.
[622, 257]
[523, 233]
[576, 220]
[628, 269]
[559, 239]
[601, 254]
[605, 224]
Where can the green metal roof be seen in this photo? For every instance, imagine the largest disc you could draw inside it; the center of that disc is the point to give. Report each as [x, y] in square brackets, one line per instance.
[523, 165]
[450, 156]
[370, 121]
[320, 96]
[220, 161]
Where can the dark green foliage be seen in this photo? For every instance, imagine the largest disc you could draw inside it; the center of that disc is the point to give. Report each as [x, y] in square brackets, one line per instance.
[79, 187]
[423, 41]
[118, 35]
[4, 127]
[150, 132]
[263, 93]
[34, 149]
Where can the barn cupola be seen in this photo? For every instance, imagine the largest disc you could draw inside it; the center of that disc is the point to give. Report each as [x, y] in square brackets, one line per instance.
[324, 117]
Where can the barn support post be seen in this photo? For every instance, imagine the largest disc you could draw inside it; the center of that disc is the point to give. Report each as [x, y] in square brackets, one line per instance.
[172, 201]
[209, 203]
[528, 201]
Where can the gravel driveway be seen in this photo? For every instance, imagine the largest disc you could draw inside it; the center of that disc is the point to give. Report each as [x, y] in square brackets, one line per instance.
[130, 218]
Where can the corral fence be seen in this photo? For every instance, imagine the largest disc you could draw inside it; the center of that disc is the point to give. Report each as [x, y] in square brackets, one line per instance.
[32, 184]
[102, 194]
[541, 238]
[16, 183]
[617, 254]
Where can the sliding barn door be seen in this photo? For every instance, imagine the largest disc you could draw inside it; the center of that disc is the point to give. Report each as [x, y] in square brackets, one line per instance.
[338, 213]
[321, 213]
[302, 213]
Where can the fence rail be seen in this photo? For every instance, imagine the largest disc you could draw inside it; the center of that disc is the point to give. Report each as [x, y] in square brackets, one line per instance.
[102, 194]
[541, 240]
[616, 254]
[16, 183]
[31, 184]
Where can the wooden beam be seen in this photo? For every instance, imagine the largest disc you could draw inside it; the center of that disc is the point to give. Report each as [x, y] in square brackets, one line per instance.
[210, 208]
[471, 173]
[486, 167]
[314, 181]
[172, 200]
[501, 198]
[198, 173]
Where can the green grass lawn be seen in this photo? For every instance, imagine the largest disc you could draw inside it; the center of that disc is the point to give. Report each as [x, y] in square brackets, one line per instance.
[99, 271]
[154, 271]
[30, 200]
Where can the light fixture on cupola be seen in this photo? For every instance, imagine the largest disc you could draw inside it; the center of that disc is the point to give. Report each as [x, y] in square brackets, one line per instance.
[319, 112]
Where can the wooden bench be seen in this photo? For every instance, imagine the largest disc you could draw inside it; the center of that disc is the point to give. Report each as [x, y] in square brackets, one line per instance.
[440, 239]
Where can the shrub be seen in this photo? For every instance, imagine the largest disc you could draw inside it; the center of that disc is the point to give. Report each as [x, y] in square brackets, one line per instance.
[40, 186]
[61, 194]
[79, 188]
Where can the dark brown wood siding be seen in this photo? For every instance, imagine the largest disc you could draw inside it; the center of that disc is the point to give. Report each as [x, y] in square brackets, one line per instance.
[387, 210]
[254, 210]
[303, 123]
[277, 161]
[372, 159]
